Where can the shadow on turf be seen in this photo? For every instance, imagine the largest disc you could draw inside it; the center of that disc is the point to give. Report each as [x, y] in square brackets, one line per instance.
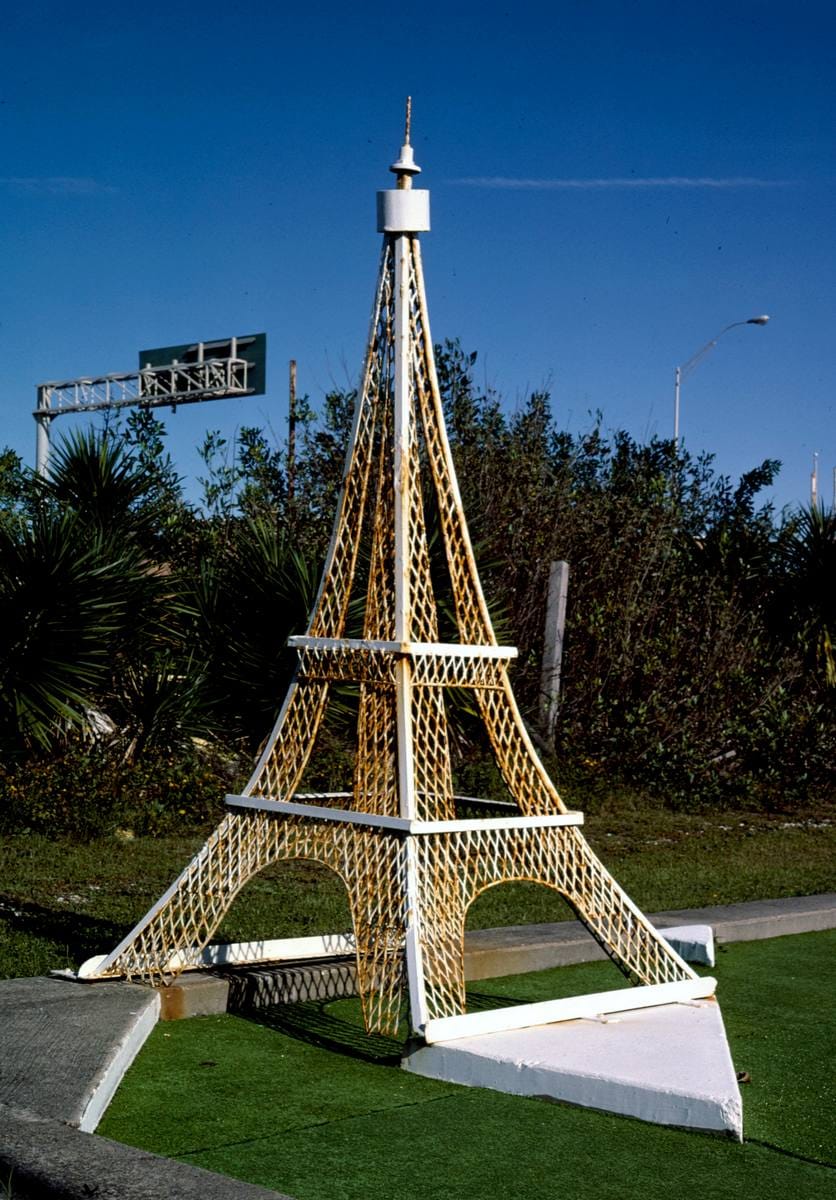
[313, 1022]
[82, 935]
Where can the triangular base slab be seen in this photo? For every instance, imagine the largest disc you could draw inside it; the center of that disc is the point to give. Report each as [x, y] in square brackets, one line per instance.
[670, 1065]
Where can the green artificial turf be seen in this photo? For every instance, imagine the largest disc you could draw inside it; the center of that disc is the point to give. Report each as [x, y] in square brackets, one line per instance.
[267, 1101]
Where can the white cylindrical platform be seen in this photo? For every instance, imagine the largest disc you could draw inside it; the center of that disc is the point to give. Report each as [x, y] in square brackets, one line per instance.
[404, 211]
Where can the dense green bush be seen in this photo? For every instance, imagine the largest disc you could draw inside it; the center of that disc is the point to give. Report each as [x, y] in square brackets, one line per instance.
[698, 656]
[88, 791]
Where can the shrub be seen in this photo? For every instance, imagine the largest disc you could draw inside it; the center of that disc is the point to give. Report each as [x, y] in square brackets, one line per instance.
[88, 791]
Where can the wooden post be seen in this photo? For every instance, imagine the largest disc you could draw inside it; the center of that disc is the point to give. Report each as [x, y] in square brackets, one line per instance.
[553, 647]
[291, 436]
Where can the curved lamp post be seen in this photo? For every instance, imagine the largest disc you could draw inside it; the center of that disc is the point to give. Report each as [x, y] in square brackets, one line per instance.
[694, 360]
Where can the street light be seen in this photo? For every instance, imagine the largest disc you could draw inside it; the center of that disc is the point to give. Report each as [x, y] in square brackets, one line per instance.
[692, 362]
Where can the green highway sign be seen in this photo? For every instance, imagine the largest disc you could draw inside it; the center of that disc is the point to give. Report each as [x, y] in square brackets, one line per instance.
[252, 347]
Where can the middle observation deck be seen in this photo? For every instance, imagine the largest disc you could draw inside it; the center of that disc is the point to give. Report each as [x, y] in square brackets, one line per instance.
[433, 664]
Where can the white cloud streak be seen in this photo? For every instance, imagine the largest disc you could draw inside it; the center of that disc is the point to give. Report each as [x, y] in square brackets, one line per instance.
[57, 185]
[630, 181]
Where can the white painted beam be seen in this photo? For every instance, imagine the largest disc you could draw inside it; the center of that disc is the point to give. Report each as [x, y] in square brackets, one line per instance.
[414, 649]
[328, 945]
[403, 825]
[546, 1012]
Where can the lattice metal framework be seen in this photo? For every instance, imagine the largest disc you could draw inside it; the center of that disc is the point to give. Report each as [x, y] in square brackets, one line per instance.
[214, 378]
[411, 869]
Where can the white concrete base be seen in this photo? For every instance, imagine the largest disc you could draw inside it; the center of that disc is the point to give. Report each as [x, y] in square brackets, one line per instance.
[694, 943]
[670, 1065]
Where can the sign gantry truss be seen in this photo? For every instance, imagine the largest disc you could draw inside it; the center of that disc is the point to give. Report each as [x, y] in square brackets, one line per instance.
[212, 379]
[410, 866]
[209, 371]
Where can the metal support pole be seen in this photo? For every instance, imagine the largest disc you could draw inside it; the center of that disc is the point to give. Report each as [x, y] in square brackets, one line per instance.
[814, 481]
[42, 423]
[692, 362]
[553, 646]
[405, 221]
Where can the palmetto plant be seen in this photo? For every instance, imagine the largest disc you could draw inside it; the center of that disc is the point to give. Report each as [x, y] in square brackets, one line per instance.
[92, 476]
[253, 591]
[85, 605]
[64, 598]
[159, 703]
[808, 595]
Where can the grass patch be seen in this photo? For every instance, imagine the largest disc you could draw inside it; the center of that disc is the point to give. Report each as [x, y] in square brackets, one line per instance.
[240, 1097]
[62, 900]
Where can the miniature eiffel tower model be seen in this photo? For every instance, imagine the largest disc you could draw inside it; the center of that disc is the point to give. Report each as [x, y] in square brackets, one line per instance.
[410, 867]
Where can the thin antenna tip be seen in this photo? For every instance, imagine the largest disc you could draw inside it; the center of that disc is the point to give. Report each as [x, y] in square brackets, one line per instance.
[406, 167]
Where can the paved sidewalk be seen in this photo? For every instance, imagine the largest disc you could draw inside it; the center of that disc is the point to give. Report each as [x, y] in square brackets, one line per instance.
[64, 1047]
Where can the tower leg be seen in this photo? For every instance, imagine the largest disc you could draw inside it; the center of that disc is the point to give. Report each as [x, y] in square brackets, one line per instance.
[458, 867]
[173, 933]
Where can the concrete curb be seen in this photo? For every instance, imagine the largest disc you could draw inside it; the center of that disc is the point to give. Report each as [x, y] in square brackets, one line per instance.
[113, 1070]
[43, 1158]
[520, 948]
[760, 918]
[64, 1048]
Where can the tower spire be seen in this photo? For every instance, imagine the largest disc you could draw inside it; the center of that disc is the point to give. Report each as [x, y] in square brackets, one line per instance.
[405, 166]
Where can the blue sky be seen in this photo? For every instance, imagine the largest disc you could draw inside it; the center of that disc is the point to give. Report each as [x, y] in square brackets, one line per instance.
[612, 184]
